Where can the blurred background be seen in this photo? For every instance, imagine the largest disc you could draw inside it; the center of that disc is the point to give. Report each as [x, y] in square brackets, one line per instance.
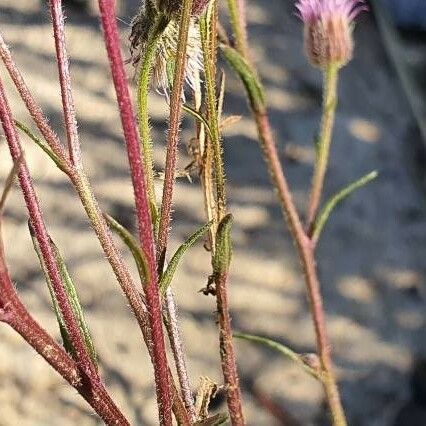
[371, 258]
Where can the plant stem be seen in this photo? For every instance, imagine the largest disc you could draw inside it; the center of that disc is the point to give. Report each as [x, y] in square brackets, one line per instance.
[208, 30]
[36, 218]
[146, 234]
[306, 254]
[208, 38]
[32, 106]
[98, 223]
[324, 141]
[172, 326]
[14, 313]
[65, 82]
[227, 352]
[304, 244]
[173, 133]
[147, 62]
[237, 12]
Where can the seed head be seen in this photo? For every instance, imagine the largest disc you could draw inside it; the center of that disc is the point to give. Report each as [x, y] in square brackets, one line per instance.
[166, 46]
[328, 30]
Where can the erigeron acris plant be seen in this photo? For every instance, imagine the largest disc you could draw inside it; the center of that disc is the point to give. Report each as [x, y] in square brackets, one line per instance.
[174, 46]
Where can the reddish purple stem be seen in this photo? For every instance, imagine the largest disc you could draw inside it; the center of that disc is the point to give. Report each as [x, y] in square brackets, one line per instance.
[65, 81]
[146, 236]
[32, 106]
[43, 240]
[14, 313]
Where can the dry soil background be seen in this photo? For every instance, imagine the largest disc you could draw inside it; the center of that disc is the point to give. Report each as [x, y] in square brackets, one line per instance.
[371, 259]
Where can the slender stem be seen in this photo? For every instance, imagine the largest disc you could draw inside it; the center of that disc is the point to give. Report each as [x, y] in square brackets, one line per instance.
[204, 159]
[237, 13]
[324, 141]
[173, 133]
[14, 313]
[176, 343]
[36, 218]
[121, 271]
[306, 254]
[147, 64]
[32, 106]
[304, 244]
[146, 234]
[227, 352]
[65, 82]
[208, 31]
[172, 324]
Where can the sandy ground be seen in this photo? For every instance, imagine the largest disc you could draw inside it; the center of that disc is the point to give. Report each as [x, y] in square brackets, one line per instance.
[371, 258]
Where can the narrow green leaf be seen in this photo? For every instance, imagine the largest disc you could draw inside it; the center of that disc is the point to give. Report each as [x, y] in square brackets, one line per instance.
[336, 199]
[40, 143]
[248, 76]
[198, 116]
[284, 350]
[167, 277]
[75, 303]
[132, 244]
[61, 323]
[72, 298]
[223, 252]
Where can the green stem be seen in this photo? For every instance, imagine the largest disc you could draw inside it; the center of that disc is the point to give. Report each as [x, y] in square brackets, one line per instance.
[147, 64]
[208, 34]
[324, 140]
[173, 133]
[238, 22]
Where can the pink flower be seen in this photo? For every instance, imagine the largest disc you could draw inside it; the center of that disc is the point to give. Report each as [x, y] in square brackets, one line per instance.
[328, 29]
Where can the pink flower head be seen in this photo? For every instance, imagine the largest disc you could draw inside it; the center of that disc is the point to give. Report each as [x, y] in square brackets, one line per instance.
[328, 29]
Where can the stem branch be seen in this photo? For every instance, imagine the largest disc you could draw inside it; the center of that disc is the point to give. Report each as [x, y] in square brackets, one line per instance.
[146, 234]
[324, 141]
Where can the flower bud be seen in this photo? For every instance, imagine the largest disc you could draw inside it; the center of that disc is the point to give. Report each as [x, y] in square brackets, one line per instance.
[328, 30]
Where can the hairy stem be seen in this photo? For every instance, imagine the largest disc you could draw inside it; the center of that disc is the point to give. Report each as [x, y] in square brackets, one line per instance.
[146, 234]
[176, 343]
[227, 352]
[171, 323]
[65, 82]
[324, 141]
[173, 133]
[37, 222]
[208, 31]
[304, 244]
[32, 106]
[306, 254]
[147, 64]
[237, 14]
[14, 313]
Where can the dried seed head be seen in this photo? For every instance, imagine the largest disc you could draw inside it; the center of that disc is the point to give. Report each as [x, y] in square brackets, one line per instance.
[166, 57]
[166, 46]
[328, 30]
